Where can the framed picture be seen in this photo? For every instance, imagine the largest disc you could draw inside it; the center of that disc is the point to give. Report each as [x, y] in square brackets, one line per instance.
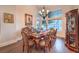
[8, 18]
[28, 19]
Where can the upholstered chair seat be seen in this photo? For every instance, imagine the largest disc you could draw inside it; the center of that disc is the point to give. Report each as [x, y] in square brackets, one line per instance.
[30, 42]
[42, 43]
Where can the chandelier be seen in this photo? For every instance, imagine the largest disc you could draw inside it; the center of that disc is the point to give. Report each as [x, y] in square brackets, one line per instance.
[44, 12]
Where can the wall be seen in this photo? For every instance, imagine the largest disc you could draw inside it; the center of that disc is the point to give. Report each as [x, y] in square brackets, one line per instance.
[20, 15]
[0, 28]
[7, 29]
[10, 32]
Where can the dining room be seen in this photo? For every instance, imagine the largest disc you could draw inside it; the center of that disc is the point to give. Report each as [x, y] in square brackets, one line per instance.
[36, 29]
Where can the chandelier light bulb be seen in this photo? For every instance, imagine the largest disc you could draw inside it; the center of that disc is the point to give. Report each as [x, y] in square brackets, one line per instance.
[40, 12]
[47, 11]
[44, 12]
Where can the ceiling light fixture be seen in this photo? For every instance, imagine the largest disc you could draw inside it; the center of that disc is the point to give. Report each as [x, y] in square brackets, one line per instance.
[44, 12]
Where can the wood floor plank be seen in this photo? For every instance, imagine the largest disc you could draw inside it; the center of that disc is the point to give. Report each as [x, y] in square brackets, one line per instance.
[59, 47]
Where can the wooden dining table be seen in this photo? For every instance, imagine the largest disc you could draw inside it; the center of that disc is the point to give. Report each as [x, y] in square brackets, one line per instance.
[38, 36]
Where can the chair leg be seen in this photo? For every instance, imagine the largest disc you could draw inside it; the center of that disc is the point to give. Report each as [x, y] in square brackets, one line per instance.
[50, 47]
[23, 47]
[45, 49]
[28, 49]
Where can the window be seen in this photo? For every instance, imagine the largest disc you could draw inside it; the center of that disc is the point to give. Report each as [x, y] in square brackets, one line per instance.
[57, 24]
[38, 23]
[56, 13]
[44, 25]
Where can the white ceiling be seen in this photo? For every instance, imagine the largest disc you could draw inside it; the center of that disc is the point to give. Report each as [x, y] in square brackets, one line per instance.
[64, 8]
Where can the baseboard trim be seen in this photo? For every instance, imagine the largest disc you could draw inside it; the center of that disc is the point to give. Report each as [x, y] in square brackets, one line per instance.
[61, 37]
[10, 42]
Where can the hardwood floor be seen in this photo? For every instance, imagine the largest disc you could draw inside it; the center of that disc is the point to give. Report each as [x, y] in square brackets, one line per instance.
[58, 47]
[13, 48]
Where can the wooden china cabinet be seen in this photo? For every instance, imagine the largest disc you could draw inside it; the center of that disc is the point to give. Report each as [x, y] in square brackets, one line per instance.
[72, 30]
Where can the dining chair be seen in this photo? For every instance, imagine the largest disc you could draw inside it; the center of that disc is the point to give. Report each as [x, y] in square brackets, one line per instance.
[24, 39]
[44, 43]
[30, 44]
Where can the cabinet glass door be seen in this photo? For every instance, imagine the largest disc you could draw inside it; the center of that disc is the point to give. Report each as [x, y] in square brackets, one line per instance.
[71, 24]
[71, 29]
[72, 40]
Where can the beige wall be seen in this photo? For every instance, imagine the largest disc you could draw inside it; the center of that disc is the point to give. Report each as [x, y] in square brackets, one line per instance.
[7, 29]
[20, 15]
[0, 29]
[10, 32]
